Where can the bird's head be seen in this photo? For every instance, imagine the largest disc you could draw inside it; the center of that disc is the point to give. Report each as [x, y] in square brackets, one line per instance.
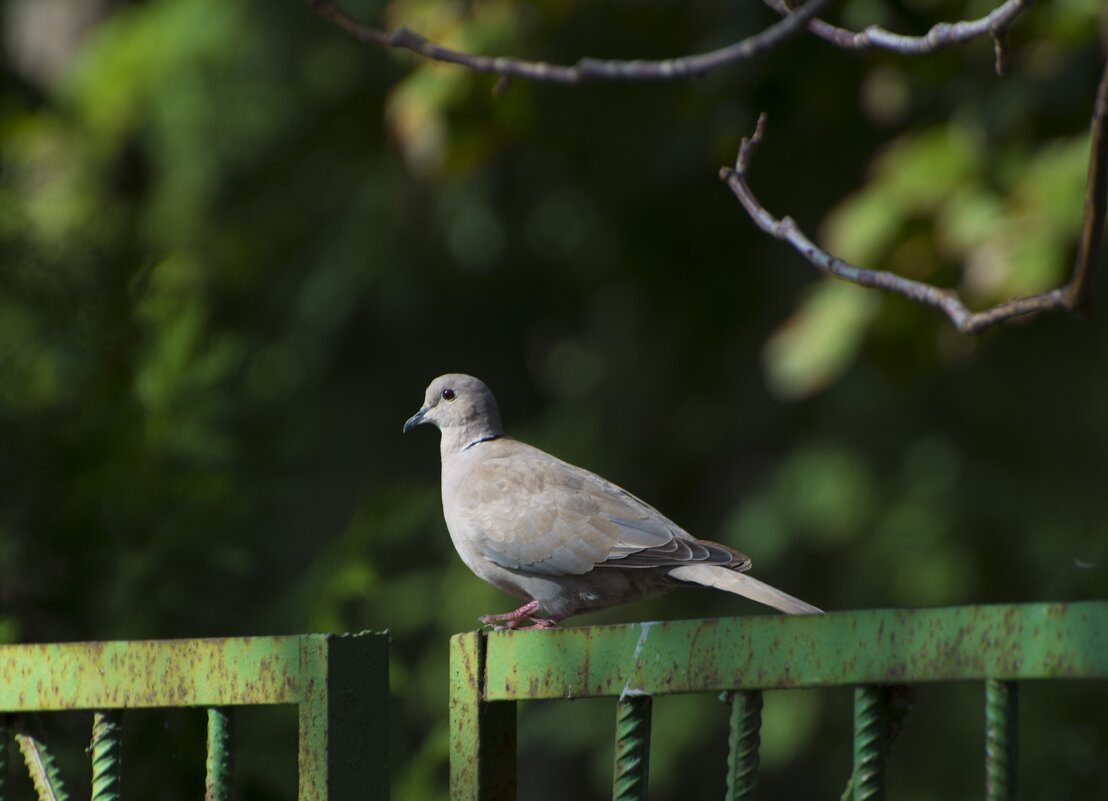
[461, 404]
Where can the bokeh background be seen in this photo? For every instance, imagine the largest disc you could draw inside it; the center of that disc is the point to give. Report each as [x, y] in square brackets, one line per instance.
[235, 245]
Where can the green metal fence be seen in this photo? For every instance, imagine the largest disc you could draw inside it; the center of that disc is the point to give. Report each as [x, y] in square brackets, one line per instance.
[338, 682]
[878, 652]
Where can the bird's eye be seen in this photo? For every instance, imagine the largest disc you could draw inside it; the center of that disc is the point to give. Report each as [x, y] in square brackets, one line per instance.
[448, 394]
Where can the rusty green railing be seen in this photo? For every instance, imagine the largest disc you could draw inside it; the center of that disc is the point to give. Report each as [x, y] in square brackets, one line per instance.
[878, 652]
[338, 682]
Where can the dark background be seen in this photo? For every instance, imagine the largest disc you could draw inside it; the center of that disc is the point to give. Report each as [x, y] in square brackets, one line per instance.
[235, 246]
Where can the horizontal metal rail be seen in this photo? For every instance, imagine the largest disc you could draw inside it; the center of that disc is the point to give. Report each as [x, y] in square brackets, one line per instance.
[338, 682]
[875, 651]
[901, 646]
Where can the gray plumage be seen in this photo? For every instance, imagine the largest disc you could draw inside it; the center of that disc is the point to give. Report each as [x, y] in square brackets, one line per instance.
[555, 535]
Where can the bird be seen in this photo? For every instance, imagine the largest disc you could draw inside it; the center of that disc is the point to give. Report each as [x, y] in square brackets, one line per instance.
[556, 536]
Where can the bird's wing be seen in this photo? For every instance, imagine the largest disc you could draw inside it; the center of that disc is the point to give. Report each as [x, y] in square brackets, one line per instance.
[533, 512]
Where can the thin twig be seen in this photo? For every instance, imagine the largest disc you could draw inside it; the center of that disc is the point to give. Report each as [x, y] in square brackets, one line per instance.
[586, 68]
[1079, 290]
[944, 34]
[1067, 297]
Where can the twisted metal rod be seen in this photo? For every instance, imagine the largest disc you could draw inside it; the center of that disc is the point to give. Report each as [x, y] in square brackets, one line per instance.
[743, 740]
[1001, 739]
[107, 763]
[632, 757]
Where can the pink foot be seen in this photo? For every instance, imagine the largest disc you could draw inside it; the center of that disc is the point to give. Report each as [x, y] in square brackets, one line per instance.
[515, 620]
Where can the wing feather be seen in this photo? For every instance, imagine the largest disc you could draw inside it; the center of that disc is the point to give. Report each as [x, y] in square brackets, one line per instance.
[538, 514]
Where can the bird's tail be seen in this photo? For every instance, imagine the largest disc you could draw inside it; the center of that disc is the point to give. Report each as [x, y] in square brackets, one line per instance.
[723, 578]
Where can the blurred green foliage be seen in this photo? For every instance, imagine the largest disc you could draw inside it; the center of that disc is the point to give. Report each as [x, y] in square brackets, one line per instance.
[235, 245]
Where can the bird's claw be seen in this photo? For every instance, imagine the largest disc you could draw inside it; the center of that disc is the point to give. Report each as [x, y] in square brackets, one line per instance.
[514, 620]
[500, 623]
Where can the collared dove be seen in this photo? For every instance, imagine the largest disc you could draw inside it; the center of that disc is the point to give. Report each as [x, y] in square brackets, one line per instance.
[557, 536]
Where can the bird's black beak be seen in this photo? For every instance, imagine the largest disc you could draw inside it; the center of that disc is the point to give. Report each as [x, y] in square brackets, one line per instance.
[415, 420]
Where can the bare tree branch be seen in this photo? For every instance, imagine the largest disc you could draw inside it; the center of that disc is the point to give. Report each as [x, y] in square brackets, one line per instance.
[944, 34]
[586, 68]
[1069, 297]
[1079, 290]
[1074, 296]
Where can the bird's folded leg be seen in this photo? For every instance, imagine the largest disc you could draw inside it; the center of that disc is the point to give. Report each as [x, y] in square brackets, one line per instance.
[516, 624]
[516, 616]
[539, 623]
[515, 620]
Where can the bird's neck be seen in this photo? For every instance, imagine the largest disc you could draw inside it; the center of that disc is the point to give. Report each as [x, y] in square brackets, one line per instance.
[458, 438]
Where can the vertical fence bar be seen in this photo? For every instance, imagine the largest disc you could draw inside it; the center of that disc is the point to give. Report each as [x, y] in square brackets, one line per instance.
[343, 726]
[870, 722]
[1001, 739]
[743, 740]
[5, 750]
[107, 763]
[632, 752]
[482, 734]
[219, 763]
[40, 765]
